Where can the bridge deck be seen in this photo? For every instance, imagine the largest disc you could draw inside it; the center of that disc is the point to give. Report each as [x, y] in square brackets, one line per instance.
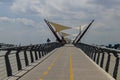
[67, 63]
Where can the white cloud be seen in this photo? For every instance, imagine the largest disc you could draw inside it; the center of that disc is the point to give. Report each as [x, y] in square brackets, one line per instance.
[73, 12]
[24, 21]
[14, 34]
[6, 19]
[29, 6]
[54, 8]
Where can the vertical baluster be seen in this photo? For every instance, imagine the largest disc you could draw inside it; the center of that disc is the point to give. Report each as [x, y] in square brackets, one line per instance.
[7, 63]
[42, 50]
[102, 59]
[18, 60]
[94, 56]
[31, 54]
[115, 72]
[26, 57]
[108, 63]
[39, 51]
[98, 57]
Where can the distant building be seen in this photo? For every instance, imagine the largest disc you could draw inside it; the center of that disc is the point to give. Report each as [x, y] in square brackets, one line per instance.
[3, 45]
[116, 46]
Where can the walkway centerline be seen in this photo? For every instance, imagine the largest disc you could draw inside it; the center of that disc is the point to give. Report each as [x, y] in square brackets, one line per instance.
[51, 65]
[71, 67]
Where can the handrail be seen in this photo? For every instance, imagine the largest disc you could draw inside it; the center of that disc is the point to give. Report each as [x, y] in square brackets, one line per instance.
[22, 56]
[98, 54]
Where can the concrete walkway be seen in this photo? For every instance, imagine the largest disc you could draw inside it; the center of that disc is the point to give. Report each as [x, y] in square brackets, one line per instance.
[67, 63]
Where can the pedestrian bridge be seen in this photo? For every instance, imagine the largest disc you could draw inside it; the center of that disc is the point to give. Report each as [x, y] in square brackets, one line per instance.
[59, 60]
[56, 61]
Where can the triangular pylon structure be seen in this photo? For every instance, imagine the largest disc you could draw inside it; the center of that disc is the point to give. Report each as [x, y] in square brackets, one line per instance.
[56, 28]
[64, 34]
[59, 27]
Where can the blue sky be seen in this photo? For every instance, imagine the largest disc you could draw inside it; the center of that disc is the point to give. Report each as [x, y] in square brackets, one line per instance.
[21, 21]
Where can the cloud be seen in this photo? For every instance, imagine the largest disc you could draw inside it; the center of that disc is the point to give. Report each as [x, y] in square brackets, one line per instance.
[24, 21]
[71, 13]
[106, 3]
[68, 10]
[29, 6]
[6, 1]
[14, 31]
[5, 19]
[50, 9]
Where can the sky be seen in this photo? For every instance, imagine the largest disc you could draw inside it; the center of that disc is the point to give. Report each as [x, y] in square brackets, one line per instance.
[22, 21]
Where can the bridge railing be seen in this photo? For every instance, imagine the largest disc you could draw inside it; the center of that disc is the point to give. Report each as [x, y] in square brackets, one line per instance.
[108, 59]
[14, 59]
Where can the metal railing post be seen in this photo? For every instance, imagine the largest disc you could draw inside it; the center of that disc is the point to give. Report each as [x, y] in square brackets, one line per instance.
[31, 56]
[98, 57]
[26, 58]
[7, 63]
[39, 51]
[94, 56]
[108, 63]
[102, 59]
[18, 60]
[115, 72]
[35, 51]
[42, 49]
